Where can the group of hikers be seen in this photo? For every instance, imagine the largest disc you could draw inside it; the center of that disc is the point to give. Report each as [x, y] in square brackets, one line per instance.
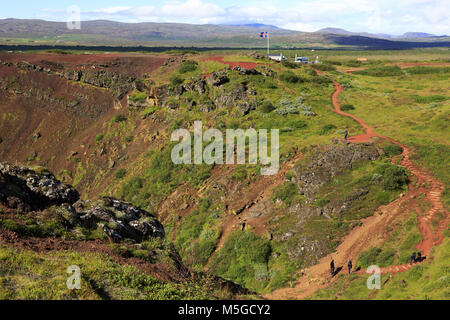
[415, 257]
[333, 270]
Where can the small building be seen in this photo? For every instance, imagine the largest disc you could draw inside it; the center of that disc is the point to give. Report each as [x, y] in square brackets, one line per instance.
[276, 57]
[303, 60]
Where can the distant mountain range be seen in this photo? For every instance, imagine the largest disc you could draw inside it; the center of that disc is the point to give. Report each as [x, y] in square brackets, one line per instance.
[103, 32]
[407, 35]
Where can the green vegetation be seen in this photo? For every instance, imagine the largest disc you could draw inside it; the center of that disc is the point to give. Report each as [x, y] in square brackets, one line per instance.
[188, 66]
[290, 77]
[393, 150]
[119, 118]
[243, 259]
[47, 228]
[393, 177]
[99, 137]
[287, 192]
[176, 80]
[428, 70]
[325, 67]
[120, 174]
[290, 65]
[430, 99]
[138, 96]
[347, 107]
[28, 275]
[381, 71]
[267, 107]
[160, 178]
[198, 237]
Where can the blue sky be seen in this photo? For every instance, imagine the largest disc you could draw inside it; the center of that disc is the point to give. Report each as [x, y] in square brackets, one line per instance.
[387, 16]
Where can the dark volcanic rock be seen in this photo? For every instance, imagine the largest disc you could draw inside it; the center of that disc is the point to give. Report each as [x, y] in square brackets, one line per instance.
[199, 86]
[230, 98]
[120, 220]
[218, 78]
[243, 71]
[245, 107]
[29, 188]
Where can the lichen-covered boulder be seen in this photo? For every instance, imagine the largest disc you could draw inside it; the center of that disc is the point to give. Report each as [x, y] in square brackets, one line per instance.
[218, 78]
[119, 220]
[29, 188]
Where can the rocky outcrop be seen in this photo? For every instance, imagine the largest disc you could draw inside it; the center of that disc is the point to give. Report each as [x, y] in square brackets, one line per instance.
[199, 86]
[28, 189]
[245, 107]
[218, 78]
[245, 72]
[31, 189]
[330, 161]
[226, 98]
[119, 220]
[99, 78]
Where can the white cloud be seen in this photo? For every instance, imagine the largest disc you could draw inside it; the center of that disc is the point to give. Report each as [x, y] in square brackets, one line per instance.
[112, 10]
[192, 9]
[387, 16]
[299, 26]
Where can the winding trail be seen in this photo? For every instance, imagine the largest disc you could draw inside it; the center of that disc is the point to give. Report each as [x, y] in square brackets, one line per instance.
[372, 231]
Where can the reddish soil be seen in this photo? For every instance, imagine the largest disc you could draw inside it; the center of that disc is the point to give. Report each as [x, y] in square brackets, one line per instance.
[132, 64]
[373, 232]
[67, 133]
[160, 271]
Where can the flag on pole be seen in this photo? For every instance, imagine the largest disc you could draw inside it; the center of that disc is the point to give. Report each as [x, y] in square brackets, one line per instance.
[264, 35]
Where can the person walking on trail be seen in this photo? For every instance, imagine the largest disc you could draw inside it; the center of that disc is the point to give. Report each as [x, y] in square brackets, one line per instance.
[332, 267]
[350, 266]
[346, 135]
[413, 257]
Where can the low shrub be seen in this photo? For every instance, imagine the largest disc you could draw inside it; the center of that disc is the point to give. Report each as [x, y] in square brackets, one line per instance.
[347, 107]
[393, 150]
[394, 177]
[286, 192]
[290, 65]
[99, 137]
[267, 107]
[176, 80]
[138, 96]
[188, 66]
[119, 118]
[327, 129]
[120, 174]
[290, 77]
